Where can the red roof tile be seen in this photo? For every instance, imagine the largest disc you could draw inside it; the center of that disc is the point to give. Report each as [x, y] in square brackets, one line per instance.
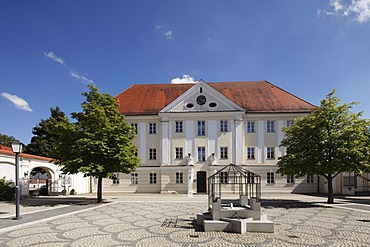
[8, 151]
[257, 96]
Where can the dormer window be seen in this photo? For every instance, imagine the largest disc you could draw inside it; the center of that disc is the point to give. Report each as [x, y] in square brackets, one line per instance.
[212, 104]
[189, 105]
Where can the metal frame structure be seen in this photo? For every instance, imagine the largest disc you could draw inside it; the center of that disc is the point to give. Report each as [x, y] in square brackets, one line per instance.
[248, 183]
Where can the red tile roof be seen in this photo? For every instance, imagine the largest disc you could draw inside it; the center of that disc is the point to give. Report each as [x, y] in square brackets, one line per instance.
[8, 151]
[255, 96]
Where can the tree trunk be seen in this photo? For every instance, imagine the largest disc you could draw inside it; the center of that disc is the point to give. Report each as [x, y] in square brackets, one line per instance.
[100, 189]
[329, 178]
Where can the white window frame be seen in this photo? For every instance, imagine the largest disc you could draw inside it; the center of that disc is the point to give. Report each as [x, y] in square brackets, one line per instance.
[270, 153]
[115, 180]
[152, 128]
[270, 126]
[201, 154]
[179, 153]
[178, 127]
[270, 177]
[134, 178]
[251, 127]
[250, 178]
[310, 179]
[179, 177]
[152, 153]
[135, 127]
[223, 177]
[223, 126]
[251, 153]
[152, 178]
[290, 179]
[224, 153]
[201, 130]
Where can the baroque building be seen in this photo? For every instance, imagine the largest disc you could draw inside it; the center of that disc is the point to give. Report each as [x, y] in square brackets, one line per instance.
[187, 132]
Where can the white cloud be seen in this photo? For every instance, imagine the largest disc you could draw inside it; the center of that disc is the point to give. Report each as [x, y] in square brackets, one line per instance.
[81, 78]
[52, 56]
[337, 5]
[184, 79]
[361, 8]
[168, 34]
[358, 10]
[17, 101]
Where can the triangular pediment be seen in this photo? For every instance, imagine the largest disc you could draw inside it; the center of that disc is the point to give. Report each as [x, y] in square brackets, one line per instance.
[202, 98]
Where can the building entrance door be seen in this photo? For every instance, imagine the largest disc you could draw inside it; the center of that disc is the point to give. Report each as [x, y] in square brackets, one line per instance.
[201, 182]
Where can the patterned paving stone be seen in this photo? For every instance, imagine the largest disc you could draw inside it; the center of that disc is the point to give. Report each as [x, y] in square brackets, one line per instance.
[171, 224]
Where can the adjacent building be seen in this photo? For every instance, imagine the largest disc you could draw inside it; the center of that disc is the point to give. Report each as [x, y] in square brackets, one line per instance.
[39, 175]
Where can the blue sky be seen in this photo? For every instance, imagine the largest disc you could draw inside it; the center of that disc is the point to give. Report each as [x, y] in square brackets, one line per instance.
[50, 50]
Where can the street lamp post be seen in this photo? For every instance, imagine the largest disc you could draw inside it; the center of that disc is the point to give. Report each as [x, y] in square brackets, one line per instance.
[17, 149]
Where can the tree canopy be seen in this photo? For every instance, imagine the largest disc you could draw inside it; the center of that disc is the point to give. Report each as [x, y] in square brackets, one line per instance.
[99, 142]
[46, 134]
[328, 141]
[6, 140]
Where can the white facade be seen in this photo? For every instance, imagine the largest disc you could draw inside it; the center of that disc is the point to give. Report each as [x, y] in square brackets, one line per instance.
[214, 135]
[52, 178]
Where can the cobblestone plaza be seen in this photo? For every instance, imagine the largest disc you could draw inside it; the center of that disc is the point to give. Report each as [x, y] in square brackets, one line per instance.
[169, 221]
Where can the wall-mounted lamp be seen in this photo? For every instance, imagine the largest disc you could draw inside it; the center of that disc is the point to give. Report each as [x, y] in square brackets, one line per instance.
[25, 174]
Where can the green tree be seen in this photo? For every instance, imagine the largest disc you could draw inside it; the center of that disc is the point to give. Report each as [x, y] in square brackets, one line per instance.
[99, 143]
[46, 133]
[328, 141]
[6, 140]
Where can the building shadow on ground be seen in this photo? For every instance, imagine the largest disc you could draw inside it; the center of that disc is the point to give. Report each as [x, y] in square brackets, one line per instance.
[287, 204]
[54, 201]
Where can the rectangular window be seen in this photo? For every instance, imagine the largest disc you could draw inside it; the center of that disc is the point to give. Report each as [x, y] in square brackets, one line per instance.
[270, 177]
[223, 153]
[201, 153]
[223, 177]
[178, 126]
[290, 179]
[270, 153]
[250, 153]
[134, 178]
[134, 126]
[179, 177]
[310, 179]
[152, 128]
[250, 178]
[270, 126]
[115, 180]
[179, 153]
[152, 153]
[201, 128]
[289, 123]
[152, 178]
[250, 127]
[223, 126]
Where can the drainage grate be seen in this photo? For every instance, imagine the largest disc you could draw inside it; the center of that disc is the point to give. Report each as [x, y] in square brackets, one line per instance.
[292, 236]
[364, 220]
[170, 223]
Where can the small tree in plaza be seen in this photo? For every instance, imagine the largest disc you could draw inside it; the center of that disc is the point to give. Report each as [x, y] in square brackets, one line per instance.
[99, 143]
[328, 141]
